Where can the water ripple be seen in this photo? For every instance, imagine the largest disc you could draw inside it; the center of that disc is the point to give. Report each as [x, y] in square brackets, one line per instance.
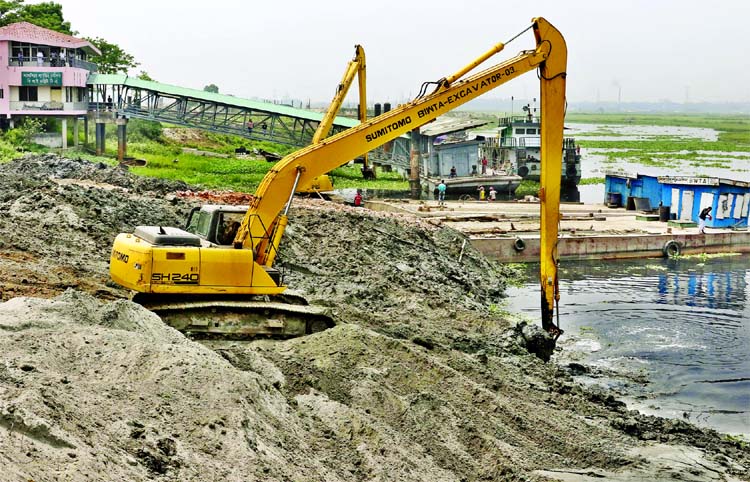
[688, 322]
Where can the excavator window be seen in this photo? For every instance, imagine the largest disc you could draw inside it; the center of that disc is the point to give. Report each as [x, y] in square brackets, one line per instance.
[227, 228]
[199, 223]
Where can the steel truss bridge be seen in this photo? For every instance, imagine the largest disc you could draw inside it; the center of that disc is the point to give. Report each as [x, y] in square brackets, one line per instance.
[131, 97]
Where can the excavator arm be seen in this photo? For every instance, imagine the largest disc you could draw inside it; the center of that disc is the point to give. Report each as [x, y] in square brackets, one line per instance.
[552, 75]
[357, 67]
[263, 226]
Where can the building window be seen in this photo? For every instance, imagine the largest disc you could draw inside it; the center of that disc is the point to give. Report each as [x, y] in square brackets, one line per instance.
[69, 94]
[81, 94]
[28, 94]
[2, 94]
[520, 131]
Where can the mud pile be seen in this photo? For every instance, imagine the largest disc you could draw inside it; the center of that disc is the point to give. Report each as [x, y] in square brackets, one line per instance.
[422, 379]
[58, 218]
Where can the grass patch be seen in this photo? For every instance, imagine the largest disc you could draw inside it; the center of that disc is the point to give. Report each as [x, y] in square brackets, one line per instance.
[591, 180]
[238, 174]
[527, 188]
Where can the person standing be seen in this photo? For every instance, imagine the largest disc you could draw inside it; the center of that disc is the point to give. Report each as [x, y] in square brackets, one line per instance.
[441, 192]
[39, 58]
[481, 193]
[484, 164]
[706, 213]
[493, 193]
[250, 126]
[358, 199]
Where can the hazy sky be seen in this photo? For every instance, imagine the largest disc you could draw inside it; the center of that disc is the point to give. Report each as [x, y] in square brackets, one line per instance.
[642, 50]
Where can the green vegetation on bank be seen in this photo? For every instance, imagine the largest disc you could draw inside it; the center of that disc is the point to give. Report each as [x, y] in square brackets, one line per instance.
[732, 129]
[166, 159]
[162, 147]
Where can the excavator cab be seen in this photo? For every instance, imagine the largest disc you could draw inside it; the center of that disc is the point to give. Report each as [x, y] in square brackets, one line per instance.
[217, 224]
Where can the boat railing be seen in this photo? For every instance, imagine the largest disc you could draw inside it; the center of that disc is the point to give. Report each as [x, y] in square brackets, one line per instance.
[518, 119]
[569, 143]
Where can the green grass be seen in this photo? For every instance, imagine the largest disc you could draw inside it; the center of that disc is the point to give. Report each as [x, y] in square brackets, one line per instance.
[8, 151]
[591, 180]
[238, 174]
[351, 177]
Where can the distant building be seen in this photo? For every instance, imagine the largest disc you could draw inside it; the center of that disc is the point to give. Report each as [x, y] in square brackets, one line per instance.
[43, 73]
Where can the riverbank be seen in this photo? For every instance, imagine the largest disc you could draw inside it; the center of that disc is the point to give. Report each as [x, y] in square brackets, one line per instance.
[423, 378]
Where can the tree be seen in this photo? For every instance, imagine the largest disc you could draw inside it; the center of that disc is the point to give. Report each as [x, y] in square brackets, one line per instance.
[47, 15]
[144, 76]
[8, 9]
[113, 59]
[213, 88]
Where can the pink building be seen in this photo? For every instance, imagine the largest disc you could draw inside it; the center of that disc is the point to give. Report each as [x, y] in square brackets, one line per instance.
[43, 73]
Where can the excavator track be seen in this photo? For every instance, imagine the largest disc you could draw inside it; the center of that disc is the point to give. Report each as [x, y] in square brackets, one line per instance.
[238, 318]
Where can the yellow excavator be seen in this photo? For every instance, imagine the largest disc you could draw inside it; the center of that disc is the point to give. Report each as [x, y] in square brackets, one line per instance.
[217, 276]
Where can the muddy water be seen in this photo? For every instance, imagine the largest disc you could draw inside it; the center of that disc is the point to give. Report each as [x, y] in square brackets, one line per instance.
[673, 337]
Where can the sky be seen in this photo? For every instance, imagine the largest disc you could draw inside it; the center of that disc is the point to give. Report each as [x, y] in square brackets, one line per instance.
[627, 50]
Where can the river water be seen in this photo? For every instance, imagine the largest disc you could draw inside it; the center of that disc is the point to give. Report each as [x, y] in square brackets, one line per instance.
[671, 336]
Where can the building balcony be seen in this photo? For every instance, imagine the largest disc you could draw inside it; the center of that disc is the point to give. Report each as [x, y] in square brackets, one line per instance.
[75, 63]
[47, 106]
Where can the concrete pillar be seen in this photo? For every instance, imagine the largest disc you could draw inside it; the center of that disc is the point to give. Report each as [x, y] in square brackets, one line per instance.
[122, 137]
[414, 184]
[86, 131]
[75, 131]
[99, 133]
[64, 123]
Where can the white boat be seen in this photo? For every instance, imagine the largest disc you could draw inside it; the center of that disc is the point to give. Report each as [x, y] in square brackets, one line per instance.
[516, 149]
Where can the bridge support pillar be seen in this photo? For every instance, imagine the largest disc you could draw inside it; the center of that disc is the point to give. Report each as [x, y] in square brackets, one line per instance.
[64, 129]
[99, 134]
[122, 137]
[75, 132]
[86, 131]
[414, 184]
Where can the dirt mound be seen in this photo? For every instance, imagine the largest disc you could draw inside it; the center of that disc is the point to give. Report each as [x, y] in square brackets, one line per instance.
[59, 217]
[423, 378]
[94, 391]
[50, 166]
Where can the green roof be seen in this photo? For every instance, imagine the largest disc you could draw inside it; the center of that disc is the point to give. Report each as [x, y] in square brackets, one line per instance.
[122, 79]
